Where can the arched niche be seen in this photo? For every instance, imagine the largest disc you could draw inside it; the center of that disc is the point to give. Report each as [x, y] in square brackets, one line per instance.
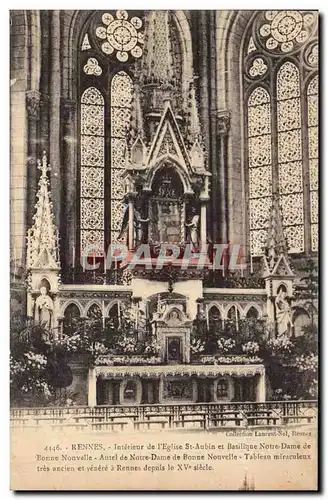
[167, 207]
[71, 316]
[301, 319]
[252, 313]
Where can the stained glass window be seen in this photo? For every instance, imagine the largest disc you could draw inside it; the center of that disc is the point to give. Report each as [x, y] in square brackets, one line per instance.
[280, 132]
[313, 143]
[92, 171]
[260, 170]
[121, 101]
[290, 155]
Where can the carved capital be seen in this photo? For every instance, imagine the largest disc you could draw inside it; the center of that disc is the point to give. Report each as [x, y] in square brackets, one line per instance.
[68, 109]
[33, 103]
[223, 122]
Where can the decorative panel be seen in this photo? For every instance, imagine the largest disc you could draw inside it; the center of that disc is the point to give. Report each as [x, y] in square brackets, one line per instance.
[290, 177]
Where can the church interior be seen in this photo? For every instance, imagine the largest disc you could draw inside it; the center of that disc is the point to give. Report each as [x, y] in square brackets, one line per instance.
[188, 129]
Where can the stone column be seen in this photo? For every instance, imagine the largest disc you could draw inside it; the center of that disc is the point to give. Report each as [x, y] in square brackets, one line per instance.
[260, 389]
[33, 109]
[92, 387]
[204, 199]
[203, 237]
[18, 140]
[68, 242]
[54, 115]
[223, 128]
[130, 228]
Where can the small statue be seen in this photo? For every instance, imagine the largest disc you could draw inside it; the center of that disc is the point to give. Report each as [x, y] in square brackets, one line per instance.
[283, 313]
[44, 308]
[193, 236]
[140, 227]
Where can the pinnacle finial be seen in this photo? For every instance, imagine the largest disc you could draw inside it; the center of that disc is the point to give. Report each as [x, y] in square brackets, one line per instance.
[43, 165]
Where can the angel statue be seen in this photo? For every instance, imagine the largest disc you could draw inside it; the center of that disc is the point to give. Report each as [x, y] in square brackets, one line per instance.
[140, 227]
[193, 236]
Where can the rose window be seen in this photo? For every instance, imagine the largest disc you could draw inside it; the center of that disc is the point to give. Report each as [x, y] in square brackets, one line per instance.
[121, 35]
[286, 30]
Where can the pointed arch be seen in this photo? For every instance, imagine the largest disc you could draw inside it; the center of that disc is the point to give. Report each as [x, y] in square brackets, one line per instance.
[252, 312]
[72, 314]
[94, 311]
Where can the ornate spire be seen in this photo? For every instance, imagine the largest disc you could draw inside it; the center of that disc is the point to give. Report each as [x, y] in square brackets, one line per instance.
[42, 237]
[157, 61]
[194, 130]
[276, 242]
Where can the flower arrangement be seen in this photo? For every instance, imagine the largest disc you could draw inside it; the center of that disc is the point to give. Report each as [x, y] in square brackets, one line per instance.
[234, 359]
[280, 345]
[197, 346]
[127, 360]
[250, 347]
[306, 363]
[226, 345]
[153, 346]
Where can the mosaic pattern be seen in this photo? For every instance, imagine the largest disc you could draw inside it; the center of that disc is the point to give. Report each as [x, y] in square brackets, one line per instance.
[92, 213]
[92, 242]
[289, 146]
[295, 238]
[259, 120]
[290, 177]
[259, 212]
[260, 181]
[292, 209]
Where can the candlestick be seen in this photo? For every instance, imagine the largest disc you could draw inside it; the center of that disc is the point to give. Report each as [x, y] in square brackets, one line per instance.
[103, 315]
[251, 263]
[73, 256]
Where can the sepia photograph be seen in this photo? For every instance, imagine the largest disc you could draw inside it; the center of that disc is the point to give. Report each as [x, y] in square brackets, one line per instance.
[164, 278]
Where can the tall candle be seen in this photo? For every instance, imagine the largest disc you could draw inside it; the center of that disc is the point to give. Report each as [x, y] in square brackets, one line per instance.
[237, 323]
[251, 263]
[103, 315]
[105, 263]
[73, 257]
[119, 313]
[137, 313]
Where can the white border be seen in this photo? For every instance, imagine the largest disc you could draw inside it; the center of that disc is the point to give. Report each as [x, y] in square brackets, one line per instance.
[4, 191]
